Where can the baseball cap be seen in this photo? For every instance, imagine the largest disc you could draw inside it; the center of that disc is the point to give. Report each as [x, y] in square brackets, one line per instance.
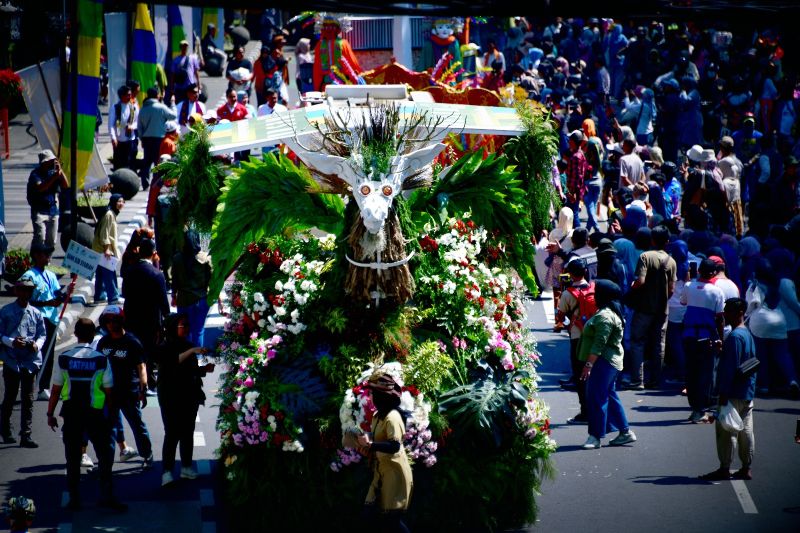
[726, 142]
[25, 281]
[170, 126]
[577, 136]
[184, 43]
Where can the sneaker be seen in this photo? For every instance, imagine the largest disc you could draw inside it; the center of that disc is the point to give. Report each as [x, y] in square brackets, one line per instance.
[151, 393]
[113, 504]
[96, 303]
[28, 442]
[743, 473]
[166, 479]
[633, 386]
[86, 461]
[147, 464]
[127, 454]
[696, 416]
[720, 474]
[187, 472]
[623, 438]
[578, 420]
[592, 443]
[44, 395]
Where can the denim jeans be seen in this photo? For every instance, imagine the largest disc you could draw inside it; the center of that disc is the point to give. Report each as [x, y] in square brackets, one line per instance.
[196, 313]
[700, 362]
[776, 361]
[105, 285]
[44, 229]
[606, 413]
[576, 211]
[126, 403]
[590, 201]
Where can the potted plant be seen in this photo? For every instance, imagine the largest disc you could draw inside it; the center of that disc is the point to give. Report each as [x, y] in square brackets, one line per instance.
[17, 261]
[10, 87]
[93, 201]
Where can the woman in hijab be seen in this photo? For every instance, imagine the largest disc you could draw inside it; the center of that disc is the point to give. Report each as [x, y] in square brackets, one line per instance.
[730, 249]
[191, 274]
[782, 261]
[392, 480]
[562, 234]
[601, 349]
[608, 266]
[768, 325]
[750, 252]
[674, 356]
[305, 66]
[642, 240]
[105, 242]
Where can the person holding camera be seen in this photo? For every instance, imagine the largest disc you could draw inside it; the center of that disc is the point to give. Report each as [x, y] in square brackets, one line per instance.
[23, 333]
[180, 394]
[44, 185]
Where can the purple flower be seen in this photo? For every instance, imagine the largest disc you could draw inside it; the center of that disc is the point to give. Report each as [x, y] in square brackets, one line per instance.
[249, 382]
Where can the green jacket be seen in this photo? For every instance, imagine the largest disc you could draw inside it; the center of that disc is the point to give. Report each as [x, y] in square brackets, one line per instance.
[602, 335]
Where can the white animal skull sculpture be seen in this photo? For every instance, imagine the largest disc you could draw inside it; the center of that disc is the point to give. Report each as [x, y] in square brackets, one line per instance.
[374, 194]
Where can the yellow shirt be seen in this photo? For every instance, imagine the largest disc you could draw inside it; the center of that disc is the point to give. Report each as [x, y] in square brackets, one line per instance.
[392, 482]
[106, 233]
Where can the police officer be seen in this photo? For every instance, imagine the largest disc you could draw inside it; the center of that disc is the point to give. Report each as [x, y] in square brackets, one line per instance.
[83, 379]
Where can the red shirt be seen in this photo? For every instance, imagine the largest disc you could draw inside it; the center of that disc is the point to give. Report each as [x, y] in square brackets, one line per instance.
[239, 112]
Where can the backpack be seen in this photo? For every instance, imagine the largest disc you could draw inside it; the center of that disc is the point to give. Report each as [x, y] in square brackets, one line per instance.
[587, 307]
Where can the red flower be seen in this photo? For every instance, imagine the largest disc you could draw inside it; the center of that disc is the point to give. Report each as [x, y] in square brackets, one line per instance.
[412, 389]
[428, 244]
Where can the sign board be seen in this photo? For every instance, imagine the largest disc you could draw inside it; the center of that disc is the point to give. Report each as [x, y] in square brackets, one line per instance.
[273, 129]
[81, 260]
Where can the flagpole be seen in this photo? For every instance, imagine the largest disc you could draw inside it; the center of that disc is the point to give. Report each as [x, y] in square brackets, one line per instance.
[73, 148]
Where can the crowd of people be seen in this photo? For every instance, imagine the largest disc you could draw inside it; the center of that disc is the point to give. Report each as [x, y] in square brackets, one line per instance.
[679, 144]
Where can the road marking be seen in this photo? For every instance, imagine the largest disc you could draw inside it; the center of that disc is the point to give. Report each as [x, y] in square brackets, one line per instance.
[199, 439]
[549, 310]
[745, 500]
[204, 467]
[206, 498]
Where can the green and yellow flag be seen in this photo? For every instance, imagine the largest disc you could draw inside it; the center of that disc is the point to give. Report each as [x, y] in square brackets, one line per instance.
[143, 53]
[90, 33]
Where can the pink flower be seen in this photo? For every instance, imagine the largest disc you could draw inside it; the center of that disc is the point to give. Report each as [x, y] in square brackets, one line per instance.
[260, 349]
[250, 360]
[271, 354]
[249, 382]
[253, 335]
[507, 362]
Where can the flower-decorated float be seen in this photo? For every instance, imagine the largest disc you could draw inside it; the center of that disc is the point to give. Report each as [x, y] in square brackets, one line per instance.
[379, 250]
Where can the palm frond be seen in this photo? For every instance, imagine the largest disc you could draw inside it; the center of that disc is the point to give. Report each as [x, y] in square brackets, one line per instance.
[267, 197]
[303, 391]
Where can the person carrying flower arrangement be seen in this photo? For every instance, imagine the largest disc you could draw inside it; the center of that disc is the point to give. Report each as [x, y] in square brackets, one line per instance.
[392, 482]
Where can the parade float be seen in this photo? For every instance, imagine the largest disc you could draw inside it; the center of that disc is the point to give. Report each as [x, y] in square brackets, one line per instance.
[379, 248]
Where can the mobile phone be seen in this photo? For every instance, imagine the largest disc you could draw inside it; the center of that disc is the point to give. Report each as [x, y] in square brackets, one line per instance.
[693, 269]
[704, 340]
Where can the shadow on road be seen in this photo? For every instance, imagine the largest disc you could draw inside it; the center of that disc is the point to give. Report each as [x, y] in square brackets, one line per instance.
[670, 480]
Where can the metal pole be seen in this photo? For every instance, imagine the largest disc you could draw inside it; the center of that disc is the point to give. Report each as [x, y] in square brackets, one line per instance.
[73, 149]
[2, 196]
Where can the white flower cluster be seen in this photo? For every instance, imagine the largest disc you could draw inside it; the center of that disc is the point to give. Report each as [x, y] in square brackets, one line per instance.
[250, 399]
[293, 446]
[295, 292]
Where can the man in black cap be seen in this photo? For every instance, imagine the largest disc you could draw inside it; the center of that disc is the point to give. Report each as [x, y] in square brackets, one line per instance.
[22, 333]
[44, 184]
[47, 297]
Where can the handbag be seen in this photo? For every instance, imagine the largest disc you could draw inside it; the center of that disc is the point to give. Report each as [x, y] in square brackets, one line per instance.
[729, 419]
[748, 367]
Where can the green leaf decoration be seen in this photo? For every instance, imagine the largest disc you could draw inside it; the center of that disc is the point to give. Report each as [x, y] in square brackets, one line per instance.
[267, 197]
[199, 178]
[483, 410]
[303, 392]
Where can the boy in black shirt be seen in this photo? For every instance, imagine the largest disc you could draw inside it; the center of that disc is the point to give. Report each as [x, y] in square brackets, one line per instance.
[126, 356]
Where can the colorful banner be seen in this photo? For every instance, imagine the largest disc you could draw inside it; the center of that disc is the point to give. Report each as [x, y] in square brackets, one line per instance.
[161, 26]
[117, 31]
[177, 32]
[272, 129]
[90, 33]
[41, 89]
[213, 15]
[143, 54]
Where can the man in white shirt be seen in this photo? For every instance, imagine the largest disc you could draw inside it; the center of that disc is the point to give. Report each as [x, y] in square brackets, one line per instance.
[732, 170]
[631, 167]
[272, 106]
[122, 122]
